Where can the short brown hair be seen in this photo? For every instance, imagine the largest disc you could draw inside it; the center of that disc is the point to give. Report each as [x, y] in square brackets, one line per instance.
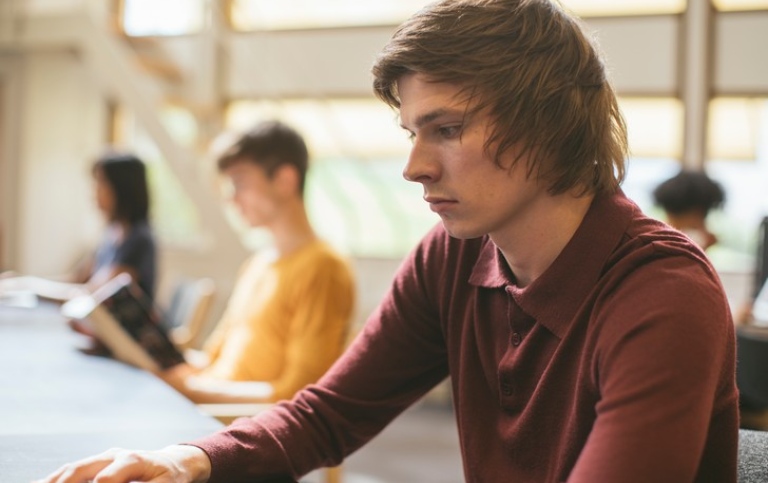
[532, 65]
[269, 144]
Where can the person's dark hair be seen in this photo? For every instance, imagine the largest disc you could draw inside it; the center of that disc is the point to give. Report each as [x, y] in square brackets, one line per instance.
[127, 176]
[533, 67]
[269, 144]
[688, 191]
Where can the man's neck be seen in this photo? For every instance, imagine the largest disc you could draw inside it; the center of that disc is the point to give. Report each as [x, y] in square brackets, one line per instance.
[292, 230]
[532, 245]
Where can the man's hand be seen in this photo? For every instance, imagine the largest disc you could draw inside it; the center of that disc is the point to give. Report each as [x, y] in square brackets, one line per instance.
[174, 464]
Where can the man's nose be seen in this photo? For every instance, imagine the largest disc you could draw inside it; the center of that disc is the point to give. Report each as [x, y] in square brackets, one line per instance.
[421, 166]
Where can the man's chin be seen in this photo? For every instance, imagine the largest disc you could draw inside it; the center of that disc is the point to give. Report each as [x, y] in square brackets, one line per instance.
[461, 232]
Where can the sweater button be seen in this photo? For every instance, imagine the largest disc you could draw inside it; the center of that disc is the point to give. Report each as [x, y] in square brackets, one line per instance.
[506, 389]
[516, 339]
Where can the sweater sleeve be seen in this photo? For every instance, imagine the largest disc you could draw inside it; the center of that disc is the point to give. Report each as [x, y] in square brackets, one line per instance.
[664, 365]
[398, 356]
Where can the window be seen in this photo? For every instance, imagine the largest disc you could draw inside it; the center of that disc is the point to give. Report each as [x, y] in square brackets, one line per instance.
[654, 126]
[302, 14]
[295, 14]
[597, 8]
[363, 128]
[734, 125]
[733, 5]
[162, 17]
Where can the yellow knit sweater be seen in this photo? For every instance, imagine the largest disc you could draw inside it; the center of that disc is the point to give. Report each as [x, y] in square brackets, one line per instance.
[286, 321]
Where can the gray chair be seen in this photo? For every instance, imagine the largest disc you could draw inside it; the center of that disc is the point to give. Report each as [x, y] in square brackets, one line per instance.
[188, 311]
[752, 366]
[753, 456]
[751, 370]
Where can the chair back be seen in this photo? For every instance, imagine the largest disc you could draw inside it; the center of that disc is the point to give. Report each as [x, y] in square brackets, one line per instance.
[752, 365]
[189, 309]
[753, 456]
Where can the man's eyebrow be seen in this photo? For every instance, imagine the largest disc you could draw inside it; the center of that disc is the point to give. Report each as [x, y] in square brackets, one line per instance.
[429, 117]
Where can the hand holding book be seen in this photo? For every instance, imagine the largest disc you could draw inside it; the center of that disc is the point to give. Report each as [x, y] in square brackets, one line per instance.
[121, 317]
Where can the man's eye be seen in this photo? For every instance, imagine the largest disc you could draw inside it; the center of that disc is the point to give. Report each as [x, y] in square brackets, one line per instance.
[449, 132]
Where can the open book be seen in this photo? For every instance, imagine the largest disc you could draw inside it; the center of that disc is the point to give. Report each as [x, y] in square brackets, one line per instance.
[125, 321]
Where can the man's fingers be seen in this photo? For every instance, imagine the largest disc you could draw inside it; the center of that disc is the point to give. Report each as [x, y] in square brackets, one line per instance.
[128, 466]
[171, 465]
[81, 471]
[113, 466]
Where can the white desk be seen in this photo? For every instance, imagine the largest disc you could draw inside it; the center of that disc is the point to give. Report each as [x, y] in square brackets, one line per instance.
[58, 405]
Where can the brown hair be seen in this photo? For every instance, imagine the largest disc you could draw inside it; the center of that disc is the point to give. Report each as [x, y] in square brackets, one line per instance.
[269, 144]
[533, 67]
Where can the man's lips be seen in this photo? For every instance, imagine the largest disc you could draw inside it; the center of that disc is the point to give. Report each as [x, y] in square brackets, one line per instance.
[439, 204]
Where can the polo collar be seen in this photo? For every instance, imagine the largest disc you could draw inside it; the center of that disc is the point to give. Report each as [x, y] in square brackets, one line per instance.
[553, 299]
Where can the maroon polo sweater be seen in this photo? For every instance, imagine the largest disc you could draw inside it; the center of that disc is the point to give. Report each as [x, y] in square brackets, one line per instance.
[616, 365]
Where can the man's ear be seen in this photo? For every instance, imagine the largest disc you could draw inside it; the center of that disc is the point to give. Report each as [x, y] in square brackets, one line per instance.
[286, 180]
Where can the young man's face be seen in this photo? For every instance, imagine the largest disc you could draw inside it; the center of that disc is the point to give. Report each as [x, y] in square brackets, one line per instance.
[472, 194]
[254, 193]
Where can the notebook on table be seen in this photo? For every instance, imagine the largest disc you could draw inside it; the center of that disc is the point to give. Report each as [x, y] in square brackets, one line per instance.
[124, 319]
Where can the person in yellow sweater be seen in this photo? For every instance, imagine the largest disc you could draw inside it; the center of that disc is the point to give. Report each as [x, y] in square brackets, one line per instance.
[286, 321]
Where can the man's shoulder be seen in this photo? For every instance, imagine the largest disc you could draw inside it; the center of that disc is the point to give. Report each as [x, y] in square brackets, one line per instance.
[652, 246]
[322, 251]
[660, 275]
[321, 257]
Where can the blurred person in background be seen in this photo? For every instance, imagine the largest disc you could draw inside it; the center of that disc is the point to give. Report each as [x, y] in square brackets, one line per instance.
[127, 245]
[687, 198]
[288, 316]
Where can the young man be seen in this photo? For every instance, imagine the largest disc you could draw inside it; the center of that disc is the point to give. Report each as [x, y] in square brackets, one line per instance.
[585, 342]
[287, 319]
